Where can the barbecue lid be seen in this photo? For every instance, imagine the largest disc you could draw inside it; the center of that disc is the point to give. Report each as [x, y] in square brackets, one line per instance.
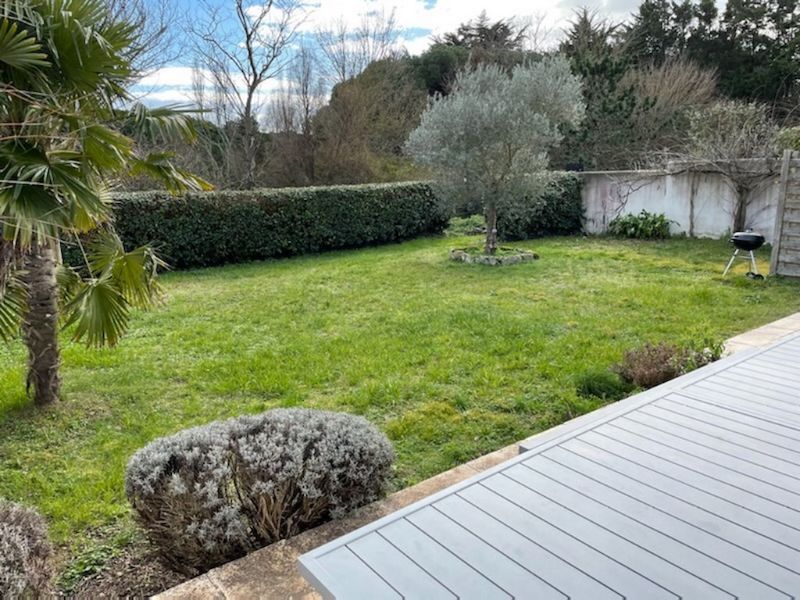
[747, 236]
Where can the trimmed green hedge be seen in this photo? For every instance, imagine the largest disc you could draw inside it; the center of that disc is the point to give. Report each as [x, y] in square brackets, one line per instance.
[558, 212]
[215, 228]
[205, 229]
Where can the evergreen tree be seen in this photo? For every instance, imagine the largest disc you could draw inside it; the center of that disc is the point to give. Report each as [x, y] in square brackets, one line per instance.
[605, 137]
[761, 58]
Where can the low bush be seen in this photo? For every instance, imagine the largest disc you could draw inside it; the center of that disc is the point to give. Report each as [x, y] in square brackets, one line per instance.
[696, 355]
[210, 494]
[601, 383]
[789, 139]
[649, 365]
[644, 226]
[559, 211]
[214, 228]
[26, 570]
[653, 364]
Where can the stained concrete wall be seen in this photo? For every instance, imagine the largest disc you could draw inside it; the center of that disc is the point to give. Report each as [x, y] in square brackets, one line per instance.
[700, 204]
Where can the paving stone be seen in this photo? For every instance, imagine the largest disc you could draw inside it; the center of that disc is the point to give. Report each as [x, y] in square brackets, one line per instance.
[495, 458]
[201, 588]
[791, 322]
[268, 573]
[735, 347]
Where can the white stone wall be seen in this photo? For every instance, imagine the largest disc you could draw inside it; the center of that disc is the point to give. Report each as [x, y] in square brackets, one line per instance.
[700, 204]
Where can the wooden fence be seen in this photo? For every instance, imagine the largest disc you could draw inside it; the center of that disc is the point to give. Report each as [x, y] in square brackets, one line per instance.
[786, 244]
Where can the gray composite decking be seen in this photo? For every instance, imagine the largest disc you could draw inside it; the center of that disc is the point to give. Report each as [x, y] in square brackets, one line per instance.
[689, 490]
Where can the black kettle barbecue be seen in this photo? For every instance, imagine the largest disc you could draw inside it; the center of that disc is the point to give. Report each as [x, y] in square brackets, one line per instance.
[746, 241]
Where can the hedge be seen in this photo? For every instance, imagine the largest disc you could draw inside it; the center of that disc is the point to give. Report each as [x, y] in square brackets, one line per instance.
[559, 211]
[214, 228]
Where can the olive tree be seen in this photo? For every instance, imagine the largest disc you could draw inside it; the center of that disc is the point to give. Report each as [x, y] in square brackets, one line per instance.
[487, 141]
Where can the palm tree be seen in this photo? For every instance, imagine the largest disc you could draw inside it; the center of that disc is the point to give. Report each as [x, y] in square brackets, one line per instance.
[64, 68]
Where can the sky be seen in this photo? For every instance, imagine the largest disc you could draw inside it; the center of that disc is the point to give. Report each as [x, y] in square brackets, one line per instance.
[417, 20]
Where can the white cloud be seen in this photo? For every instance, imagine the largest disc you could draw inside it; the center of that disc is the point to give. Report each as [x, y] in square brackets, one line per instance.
[169, 96]
[169, 76]
[416, 20]
[415, 45]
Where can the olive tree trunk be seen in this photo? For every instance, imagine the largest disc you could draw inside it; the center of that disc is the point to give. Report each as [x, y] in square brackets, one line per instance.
[491, 229]
[40, 325]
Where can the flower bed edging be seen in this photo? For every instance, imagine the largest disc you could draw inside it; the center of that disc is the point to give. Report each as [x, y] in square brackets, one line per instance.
[493, 260]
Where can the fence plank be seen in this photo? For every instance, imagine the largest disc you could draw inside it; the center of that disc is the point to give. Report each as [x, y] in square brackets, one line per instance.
[781, 214]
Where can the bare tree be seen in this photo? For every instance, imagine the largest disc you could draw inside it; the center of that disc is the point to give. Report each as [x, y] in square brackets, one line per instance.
[240, 53]
[361, 132]
[666, 94]
[675, 84]
[290, 115]
[539, 36]
[734, 139]
[158, 25]
[346, 51]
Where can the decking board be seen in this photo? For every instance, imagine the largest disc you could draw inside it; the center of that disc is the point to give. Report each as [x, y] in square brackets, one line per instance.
[689, 490]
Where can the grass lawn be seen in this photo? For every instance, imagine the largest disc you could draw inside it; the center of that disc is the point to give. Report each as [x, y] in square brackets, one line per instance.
[450, 360]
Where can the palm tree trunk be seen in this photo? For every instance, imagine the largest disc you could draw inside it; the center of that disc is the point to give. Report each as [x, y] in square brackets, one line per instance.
[40, 325]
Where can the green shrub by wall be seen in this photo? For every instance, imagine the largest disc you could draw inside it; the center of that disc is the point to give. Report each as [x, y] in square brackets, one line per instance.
[559, 211]
[644, 226]
[205, 229]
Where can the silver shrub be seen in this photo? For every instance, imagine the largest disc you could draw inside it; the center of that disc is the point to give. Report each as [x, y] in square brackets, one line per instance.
[210, 494]
[180, 487]
[26, 570]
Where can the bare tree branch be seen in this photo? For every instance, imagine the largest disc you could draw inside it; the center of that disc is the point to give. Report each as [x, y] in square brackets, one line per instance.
[239, 48]
[734, 139]
[157, 22]
[347, 51]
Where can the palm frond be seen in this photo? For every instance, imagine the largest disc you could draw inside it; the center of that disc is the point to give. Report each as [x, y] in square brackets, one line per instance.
[172, 122]
[19, 49]
[105, 148]
[13, 299]
[69, 283]
[97, 300]
[134, 273]
[158, 166]
[86, 49]
[44, 192]
[88, 212]
[98, 311]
